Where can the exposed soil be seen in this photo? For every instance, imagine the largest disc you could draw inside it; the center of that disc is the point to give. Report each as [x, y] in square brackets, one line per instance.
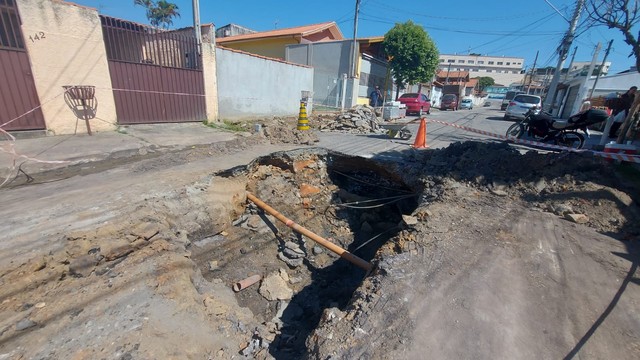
[478, 252]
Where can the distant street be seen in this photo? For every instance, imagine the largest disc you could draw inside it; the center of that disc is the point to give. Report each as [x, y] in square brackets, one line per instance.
[482, 118]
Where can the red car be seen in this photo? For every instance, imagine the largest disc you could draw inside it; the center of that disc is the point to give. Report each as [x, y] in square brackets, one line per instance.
[416, 103]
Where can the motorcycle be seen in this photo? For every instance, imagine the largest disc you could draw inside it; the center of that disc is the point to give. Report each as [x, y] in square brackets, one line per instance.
[541, 127]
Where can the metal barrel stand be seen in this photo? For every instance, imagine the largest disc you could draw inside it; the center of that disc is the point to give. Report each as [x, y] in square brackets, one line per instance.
[82, 101]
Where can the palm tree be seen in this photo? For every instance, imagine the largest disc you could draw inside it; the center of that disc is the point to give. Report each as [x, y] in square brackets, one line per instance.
[160, 13]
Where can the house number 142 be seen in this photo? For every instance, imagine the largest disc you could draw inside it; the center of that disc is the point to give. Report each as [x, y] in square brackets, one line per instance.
[39, 35]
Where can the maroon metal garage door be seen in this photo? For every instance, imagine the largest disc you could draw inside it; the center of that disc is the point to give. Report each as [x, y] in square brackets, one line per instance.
[156, 75]
[18, 95]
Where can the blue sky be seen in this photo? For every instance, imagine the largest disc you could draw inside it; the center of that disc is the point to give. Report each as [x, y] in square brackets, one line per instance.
[493, 27]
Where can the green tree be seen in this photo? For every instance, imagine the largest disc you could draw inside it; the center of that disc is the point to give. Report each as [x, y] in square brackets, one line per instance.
[484, 82]
[414, 56]
[160, 13]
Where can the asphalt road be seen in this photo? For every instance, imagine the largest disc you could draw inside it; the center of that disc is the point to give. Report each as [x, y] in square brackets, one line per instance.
[489, 119]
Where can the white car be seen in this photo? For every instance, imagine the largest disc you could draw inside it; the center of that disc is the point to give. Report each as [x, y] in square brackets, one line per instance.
[520, 105]
[466, 104]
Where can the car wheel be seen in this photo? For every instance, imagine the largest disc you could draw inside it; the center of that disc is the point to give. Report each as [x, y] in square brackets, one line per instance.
[428, 111]
[506, 117]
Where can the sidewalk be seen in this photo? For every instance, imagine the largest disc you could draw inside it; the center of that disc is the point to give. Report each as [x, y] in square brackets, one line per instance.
[133, 139]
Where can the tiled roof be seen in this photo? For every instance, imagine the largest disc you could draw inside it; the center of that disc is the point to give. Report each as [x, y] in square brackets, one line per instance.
[452, 74]
[300, 30]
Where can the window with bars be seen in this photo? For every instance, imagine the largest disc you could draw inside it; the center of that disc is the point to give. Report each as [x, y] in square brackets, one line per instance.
[10, 34]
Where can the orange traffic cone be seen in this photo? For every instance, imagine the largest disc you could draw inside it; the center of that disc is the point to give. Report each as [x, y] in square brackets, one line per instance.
[421, 137]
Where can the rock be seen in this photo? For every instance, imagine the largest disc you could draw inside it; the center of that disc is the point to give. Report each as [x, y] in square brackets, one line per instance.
[273, 287]
[254, 222]
[83, 266]
[317, 250]
[307, 190]
[40, 305]
[25, 324]
[293, 247]
[540, 185]
[577, 218]
[293, 263]
[283, 274]
[300, 165]
[410, 220]
[213, 265]
[292, 254]
[561, 209]
[499, 192]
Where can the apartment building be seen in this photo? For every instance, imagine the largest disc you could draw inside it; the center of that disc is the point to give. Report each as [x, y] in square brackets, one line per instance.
[504, 70]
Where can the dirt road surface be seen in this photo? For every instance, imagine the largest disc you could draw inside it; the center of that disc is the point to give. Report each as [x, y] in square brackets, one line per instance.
[479, 252]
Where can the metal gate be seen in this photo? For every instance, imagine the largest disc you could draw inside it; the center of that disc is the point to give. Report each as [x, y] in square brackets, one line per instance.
[18, 95]
[156, 75]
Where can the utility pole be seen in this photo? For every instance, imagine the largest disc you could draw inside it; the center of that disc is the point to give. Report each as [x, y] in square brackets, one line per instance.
[573, 57]
[446, 81]
[532, 70]
[606, 53]
[563, 50]
[354, 51]
[196, 23]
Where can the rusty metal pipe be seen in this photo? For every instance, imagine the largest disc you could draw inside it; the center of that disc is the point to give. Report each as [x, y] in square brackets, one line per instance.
[311, 235]
[243, 284]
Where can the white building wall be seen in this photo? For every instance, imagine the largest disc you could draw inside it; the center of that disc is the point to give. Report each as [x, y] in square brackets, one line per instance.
[251, 86]
[504, 70]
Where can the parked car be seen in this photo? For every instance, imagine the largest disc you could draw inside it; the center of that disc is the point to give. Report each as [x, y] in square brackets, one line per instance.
[466, 104]
[487, 103]
[520, 105]
[449, 101]
[416, 103]
[508, 97]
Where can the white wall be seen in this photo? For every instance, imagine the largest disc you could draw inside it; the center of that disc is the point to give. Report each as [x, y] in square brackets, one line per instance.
[251, 86]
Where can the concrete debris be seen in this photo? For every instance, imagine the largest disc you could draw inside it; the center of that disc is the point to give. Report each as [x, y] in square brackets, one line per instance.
[410, 220]
[577, 218]
[560, 209]
[361, 119]
[274, 287]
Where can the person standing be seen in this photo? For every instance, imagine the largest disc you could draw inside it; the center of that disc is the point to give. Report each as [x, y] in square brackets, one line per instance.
[376, 97]
[621, 110]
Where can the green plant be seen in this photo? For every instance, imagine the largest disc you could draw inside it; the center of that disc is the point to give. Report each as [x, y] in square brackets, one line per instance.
[227, 125]
[160, 13]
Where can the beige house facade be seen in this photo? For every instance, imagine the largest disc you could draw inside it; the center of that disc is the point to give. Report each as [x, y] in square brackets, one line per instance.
[65, 47]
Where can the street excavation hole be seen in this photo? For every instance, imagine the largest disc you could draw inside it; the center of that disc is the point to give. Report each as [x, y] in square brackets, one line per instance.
[354, 203]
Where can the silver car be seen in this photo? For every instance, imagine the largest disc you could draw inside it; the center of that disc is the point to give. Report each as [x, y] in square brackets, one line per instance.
[520, 105]
[466, 104]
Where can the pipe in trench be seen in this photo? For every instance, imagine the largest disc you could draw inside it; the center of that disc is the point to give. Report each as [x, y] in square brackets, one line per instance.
[243, 284]
[311, 235]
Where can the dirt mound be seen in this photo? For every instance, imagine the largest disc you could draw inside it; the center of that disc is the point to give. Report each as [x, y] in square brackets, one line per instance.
[284, 131]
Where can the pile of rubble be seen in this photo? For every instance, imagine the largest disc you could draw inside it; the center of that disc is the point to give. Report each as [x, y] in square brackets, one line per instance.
[284, 131]
[360, 119]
